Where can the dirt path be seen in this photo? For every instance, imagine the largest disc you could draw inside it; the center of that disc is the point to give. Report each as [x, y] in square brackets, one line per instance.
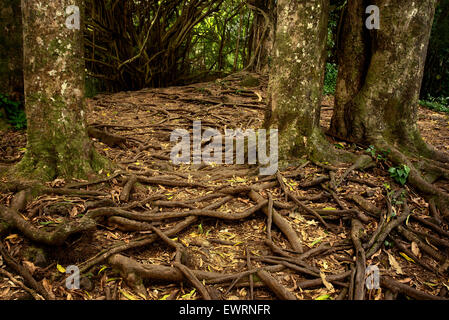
[162, 224]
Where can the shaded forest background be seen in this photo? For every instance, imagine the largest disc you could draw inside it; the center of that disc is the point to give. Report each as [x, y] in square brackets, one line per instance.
[130, 45]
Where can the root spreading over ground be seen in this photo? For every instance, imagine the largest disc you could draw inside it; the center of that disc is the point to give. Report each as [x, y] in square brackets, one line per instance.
[153, 230]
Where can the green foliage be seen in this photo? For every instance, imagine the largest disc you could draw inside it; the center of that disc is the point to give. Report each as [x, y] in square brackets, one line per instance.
[215, 39]
[330, 79]
[381, 155]
[337, 8]
[14, 112]
[331, 32]
[400, 174]
[440, 104]
[371, 150]
[92, 87]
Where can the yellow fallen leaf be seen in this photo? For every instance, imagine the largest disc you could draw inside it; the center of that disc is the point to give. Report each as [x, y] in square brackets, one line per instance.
[12, 236]
[102, 269]
[128, 295]
[189, 295]
[142, 296]
[60, 268]
[406, 257]
[430, 284]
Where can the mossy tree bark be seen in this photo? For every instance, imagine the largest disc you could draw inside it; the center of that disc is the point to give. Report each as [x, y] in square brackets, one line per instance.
[353, 56]
[296, 80]
[381, 71]
[58, 144]
[378, 87]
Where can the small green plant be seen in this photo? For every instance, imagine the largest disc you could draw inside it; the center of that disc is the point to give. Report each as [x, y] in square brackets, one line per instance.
[14, 113]
[381, 156]
[91, 86]
[371, 150]
[400, 199]
[388, 244]
[440, 104]
[400, 174]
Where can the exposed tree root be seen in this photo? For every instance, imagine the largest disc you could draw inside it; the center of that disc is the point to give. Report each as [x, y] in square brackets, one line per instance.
[307, 284]
[32, 292]
[24, 273]
[130, 217]
[359, 281]
[134, 244]
[290, 215]
[416, 178]
[55, 238]
[280, 222]
[385, 229]
[396, 286]
[274, 285]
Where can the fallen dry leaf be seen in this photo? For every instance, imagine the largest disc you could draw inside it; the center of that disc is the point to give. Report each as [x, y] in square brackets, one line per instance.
[394, 263]
[327, 284]
[415, 250]
[30, 266]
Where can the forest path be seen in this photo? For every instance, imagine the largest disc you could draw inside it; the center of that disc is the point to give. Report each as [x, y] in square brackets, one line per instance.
[195, 206]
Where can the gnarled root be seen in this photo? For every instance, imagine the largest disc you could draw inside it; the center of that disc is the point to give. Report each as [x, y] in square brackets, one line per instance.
[416, 176]
[12, 219]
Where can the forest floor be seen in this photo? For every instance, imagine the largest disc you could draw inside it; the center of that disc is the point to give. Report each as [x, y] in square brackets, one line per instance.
[194, 231]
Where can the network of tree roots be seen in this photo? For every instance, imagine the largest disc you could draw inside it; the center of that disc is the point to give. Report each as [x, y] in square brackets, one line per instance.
[152, 230]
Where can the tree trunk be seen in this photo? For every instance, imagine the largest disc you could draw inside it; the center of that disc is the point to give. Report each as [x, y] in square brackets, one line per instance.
[379, 83]
[381, 72]
[353, 58]
[58, 144]
[261, 39]
[297, 77]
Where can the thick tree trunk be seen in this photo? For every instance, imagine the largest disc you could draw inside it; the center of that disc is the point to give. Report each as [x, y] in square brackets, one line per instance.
[353, 57]
[58, 144]
[296, 79]
[378, 89]
[381, 72]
